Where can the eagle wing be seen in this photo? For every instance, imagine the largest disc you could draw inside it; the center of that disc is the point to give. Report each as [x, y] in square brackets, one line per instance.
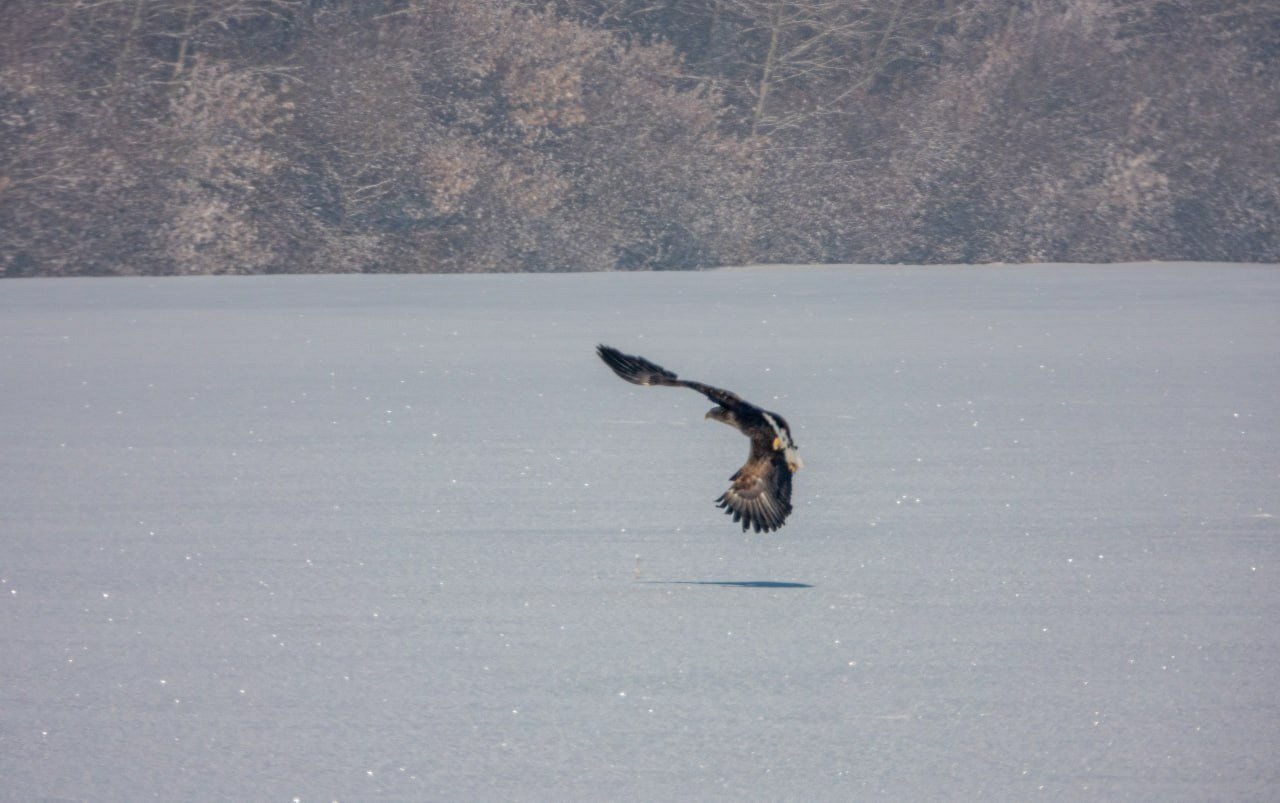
[760, 496]
[639, 371]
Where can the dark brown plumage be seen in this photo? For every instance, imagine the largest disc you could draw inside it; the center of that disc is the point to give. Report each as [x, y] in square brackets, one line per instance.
[760, 493]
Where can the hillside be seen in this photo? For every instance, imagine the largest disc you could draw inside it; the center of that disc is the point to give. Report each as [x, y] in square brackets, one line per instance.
[281, 136]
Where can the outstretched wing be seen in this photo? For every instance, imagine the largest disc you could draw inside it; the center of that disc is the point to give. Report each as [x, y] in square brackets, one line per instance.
[636, 370]
[640, 371]
[760, 496]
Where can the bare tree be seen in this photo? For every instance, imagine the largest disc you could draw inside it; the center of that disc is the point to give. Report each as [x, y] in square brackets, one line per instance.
[483, 138]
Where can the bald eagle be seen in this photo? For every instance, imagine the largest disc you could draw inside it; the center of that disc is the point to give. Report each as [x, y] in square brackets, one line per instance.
[760, 496]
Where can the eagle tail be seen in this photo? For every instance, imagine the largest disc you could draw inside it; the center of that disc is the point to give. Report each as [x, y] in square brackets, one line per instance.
[636, 370]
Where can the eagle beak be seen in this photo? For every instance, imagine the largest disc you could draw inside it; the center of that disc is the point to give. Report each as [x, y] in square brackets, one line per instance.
[794, 463]
[777, 444]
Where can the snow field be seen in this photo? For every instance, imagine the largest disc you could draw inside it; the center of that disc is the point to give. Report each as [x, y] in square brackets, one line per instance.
[406, 538]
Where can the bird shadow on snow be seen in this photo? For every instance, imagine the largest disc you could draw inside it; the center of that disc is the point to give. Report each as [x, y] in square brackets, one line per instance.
[728, 583]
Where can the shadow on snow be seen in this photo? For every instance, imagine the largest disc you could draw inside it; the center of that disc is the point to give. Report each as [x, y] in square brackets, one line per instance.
[729, 583]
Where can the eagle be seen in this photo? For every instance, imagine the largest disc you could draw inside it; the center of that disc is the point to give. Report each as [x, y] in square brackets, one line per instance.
[760, 493]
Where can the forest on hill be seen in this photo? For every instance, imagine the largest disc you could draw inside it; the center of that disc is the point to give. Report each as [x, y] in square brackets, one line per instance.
[162, 137]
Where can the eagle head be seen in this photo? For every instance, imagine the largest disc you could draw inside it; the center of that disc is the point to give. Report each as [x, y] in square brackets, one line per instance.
[722, 415]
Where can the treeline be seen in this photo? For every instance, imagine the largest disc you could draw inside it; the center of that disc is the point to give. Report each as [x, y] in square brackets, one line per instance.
[261, 136]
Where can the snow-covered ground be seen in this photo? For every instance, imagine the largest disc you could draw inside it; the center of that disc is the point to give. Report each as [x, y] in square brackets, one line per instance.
[376, 538]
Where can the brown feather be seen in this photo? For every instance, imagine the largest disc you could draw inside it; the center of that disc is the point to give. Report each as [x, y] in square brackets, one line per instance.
[760, 494]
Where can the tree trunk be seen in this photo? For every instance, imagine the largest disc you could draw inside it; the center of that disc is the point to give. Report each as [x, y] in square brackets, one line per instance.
[184, 43]
[127, 50]
[766, 70]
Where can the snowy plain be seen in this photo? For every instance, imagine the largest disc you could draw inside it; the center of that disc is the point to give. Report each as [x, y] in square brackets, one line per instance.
[406, 538]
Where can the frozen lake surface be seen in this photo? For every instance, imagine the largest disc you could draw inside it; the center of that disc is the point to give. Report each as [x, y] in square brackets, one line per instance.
[407, 538]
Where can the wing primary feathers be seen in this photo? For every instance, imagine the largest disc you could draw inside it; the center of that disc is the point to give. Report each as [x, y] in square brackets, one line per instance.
[759, 496]
[636, 370]
[639, 371]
